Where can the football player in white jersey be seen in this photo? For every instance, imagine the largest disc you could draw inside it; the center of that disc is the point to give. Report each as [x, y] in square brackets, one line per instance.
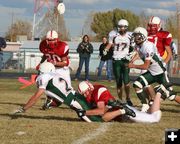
[56, 87]
[55, 51]
[120, 40]
[153, 115]
[152, 63]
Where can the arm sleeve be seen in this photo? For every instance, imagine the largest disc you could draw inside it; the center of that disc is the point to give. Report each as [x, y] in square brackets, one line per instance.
[42, 81]
[90, 48]
[149, 53]
[79, 48]
[168, 39]
[100, 50]
[111, 36]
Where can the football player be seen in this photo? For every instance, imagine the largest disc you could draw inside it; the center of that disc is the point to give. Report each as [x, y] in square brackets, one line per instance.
[56, 87]
[120, 40]
[162, 39]
[152, 63]
[56, 52]
[100, 98]
[154, 113]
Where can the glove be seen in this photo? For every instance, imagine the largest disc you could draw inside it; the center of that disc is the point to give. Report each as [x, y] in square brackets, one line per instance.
[80, 112]
[18, 111]
[105, 51]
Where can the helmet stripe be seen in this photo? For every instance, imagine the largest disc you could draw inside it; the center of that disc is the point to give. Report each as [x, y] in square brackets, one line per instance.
[151, 19]
[51, 33]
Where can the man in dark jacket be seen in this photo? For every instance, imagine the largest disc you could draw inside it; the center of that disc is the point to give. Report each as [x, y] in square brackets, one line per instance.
[105, 59]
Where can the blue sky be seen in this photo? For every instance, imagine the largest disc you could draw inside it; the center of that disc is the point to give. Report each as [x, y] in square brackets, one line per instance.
[77, 10]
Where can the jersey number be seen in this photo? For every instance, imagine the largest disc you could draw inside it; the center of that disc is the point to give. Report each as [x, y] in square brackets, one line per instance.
[66, 84]
[53, 57]
[121, 46]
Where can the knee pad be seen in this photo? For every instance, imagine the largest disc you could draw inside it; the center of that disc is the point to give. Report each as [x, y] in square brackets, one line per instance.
[137, 84]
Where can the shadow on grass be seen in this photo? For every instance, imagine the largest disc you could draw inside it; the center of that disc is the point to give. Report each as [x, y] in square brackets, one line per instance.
[10, 103]
[12, 117]
[21, 104]
[171, 104]
[170, 110]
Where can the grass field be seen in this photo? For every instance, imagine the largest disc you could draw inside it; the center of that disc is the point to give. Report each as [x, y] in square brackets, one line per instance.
[62, 126]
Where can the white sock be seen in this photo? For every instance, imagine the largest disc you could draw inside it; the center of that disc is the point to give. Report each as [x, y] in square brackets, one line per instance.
[122, 111]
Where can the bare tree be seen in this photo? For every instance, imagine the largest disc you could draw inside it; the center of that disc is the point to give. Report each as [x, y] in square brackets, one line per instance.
[20, 27]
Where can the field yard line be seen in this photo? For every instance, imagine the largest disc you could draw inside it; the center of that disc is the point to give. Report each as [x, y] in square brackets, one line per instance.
[93, 134]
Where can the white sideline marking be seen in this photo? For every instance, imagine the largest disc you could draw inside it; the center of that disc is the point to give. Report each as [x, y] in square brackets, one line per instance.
[93, 134]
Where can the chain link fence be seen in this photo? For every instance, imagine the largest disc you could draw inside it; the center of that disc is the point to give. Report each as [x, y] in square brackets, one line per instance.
[25, 62]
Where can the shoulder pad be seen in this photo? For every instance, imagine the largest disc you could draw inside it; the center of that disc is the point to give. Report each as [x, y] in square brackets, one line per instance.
[113, 33]
[62, 49]
[164, 34]
[43, 46]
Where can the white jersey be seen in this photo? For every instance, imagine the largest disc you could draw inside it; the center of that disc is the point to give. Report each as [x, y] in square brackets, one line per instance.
[148, 51]
[54, 85]
[145, 117]
[121, 44]
[65, 73]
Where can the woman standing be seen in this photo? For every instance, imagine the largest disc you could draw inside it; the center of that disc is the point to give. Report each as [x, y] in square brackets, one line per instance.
[85, 49]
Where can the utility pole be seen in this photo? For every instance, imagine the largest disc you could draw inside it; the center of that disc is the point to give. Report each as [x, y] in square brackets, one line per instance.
[12, 22]
[178, 31]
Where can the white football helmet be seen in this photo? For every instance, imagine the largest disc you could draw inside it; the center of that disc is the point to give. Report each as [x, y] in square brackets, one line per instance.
[140, 35]
[85, 86]
[123, 22]
[46, 67]
[154, 25]
[122, 26]
[51, 35]
[52, 39]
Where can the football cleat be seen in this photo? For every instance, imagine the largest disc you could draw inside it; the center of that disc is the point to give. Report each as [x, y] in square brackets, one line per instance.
[121, 105]
[49, 103]
[129, 102]
[129, 111]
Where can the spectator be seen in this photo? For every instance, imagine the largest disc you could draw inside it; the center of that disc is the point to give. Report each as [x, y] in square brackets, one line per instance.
[174, 50]
[85, 49]
[2, 45]
[173, 63]
[105, 59]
